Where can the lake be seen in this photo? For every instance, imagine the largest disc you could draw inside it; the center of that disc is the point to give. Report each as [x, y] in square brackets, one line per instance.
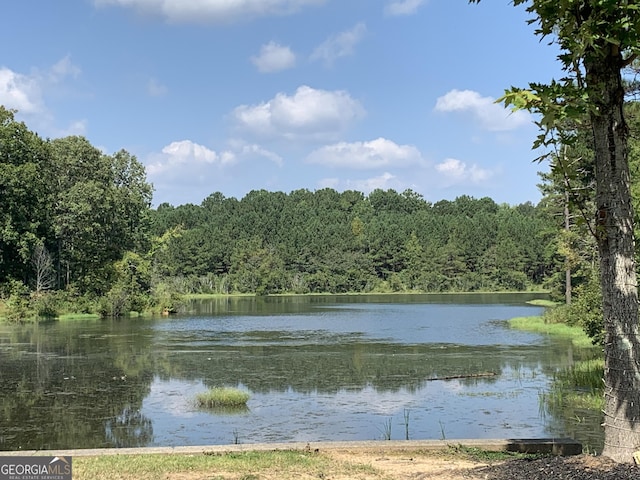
[318, 368]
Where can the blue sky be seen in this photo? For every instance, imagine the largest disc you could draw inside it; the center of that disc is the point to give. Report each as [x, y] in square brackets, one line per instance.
[238, 95]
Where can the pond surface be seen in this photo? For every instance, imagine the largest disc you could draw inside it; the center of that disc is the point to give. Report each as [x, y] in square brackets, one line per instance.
[318, 368]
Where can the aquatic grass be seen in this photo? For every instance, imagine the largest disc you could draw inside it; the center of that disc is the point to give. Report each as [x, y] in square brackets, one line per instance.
[443, 435]
[78, 316]
[222, 397]
[538, 325]
[407, 413]
[386, 429]
[577, 387]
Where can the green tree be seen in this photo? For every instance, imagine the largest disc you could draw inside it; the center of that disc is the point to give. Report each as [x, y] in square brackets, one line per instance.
[597, 39]
[100, 205]
[257, 268]
[24, 196]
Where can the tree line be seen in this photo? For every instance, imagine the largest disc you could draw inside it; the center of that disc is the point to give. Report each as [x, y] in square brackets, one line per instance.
[326, 241]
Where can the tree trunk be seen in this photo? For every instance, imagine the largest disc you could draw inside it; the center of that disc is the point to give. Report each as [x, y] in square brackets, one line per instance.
[567, 227]
[614, 232]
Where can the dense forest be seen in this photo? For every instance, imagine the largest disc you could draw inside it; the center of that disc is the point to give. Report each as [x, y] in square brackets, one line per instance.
[325, 241]
[77, 232]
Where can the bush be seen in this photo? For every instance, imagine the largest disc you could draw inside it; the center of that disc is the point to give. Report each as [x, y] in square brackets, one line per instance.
[45, 305]
[17, 295]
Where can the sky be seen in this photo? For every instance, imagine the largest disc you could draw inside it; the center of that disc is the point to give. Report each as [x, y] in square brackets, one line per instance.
[232, 96]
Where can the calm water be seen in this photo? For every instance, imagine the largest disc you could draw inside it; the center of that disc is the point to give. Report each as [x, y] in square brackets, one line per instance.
[317, 368]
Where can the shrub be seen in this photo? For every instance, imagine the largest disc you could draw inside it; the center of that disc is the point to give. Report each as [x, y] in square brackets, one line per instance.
[45, 305]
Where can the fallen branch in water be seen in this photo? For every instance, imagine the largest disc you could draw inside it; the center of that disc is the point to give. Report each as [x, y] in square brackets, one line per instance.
[469, 375]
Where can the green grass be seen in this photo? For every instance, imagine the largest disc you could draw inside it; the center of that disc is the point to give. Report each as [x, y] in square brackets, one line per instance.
[578, 387]
[78, 316]
[538, 325]
[543, 303]
[282, 464]
[488, 456]
[225, 397]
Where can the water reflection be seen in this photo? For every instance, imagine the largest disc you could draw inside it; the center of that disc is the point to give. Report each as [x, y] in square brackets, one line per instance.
[318, 368]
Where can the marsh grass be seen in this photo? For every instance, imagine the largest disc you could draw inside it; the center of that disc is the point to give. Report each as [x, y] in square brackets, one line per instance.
[282, 464]
[577, 387]
[222, 397]
[538, 325]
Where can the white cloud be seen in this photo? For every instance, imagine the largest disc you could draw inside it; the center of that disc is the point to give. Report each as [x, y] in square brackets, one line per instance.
[274, 58]
[27, 94]
[211, 11]
[307, 114]
[491, 116]
[21, 92]
[456, 171]
[340, 45]
[403, 7]
[251, 150]
[185, 156]
[156, 89]
[378, 153]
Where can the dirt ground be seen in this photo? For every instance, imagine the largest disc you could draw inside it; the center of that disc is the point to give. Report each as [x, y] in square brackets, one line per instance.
[427, 466]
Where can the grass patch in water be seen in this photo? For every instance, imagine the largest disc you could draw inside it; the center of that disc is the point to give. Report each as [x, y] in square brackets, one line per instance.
[222, 397]
[537, 324]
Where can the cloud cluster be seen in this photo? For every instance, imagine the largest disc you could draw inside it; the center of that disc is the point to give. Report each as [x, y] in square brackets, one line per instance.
[314, 122]
[211, 11]
[378, 153]
[308, 114]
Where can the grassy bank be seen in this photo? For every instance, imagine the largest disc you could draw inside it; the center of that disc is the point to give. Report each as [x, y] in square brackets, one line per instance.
[371, 464]
[537, 324]
[293, 464]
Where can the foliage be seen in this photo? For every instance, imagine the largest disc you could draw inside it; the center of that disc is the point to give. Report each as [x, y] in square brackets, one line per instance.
[17, 304]
[69, 214]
